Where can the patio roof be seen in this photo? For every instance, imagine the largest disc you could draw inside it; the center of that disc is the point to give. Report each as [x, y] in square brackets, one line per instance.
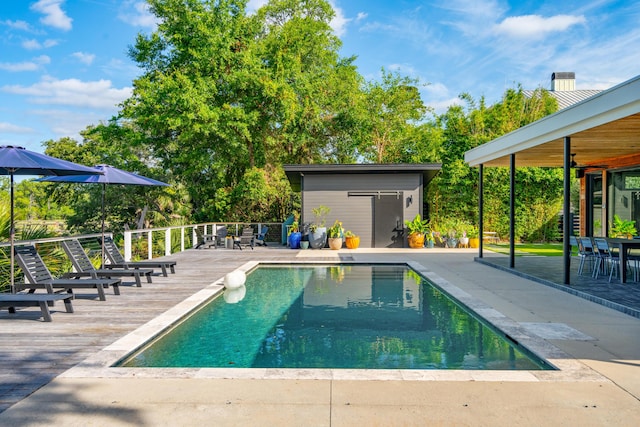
[603, 127]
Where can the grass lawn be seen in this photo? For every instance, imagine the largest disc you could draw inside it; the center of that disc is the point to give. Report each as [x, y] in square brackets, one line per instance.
[540, 249]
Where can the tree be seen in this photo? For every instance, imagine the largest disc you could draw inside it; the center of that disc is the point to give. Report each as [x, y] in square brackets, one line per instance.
[125, 206]
[454, 191]
[392, 108]
[223, 93]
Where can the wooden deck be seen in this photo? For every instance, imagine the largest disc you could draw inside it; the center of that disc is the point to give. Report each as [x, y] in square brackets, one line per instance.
[34, 352]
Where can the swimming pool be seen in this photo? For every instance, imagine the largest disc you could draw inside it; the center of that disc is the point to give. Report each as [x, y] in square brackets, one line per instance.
[335, 316]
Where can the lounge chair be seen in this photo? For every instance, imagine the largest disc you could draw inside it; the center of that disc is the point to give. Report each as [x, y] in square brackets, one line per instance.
[246, 239]
[261, 237]
[83, 266]
[205, 240]
[116, 260]
[11, 301]
[39, 277]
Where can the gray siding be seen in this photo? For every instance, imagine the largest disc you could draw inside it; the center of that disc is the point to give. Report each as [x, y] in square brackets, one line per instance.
[356, 210]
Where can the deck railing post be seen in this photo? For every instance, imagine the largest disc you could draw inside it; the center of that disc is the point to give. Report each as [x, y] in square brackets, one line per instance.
[150, 244]
[167, 242]
[127, 246]
[182, 239]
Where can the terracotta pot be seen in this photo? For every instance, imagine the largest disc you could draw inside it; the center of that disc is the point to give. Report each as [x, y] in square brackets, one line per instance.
[416, 240]
[335, 243]
[352, 242]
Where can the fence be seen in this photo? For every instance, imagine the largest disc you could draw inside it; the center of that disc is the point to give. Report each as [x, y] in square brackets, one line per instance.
[163, 241]
[138, 244]
[575, 224]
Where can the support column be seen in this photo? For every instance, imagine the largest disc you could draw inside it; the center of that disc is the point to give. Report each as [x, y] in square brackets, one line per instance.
[480, 208]
[512, 212]
[566, 212]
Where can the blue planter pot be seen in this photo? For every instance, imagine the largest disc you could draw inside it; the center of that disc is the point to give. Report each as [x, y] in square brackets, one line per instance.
[294, 240]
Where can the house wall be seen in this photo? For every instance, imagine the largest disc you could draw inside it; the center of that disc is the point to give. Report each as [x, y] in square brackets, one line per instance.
[350, 197]
[617, 199]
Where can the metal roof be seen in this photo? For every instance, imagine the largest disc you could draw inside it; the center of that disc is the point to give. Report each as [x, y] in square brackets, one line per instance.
[603, 126]
[567, 98]
[295, 172]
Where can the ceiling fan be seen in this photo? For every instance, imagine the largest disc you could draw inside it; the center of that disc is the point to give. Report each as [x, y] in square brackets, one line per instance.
[575, 165]
[581, 168]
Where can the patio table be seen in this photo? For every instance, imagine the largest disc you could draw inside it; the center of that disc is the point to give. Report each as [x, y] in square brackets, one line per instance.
[623, 248]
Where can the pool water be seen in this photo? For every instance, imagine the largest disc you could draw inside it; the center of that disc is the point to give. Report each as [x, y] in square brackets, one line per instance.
[336, 316]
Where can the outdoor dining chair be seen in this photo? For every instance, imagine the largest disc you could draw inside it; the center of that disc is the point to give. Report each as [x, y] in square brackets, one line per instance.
[607, 261]
[586, 254]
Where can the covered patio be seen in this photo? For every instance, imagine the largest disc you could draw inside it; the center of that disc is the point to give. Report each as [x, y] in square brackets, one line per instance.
[598, 138]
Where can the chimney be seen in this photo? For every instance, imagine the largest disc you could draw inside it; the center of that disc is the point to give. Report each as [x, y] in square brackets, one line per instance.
[563, 81]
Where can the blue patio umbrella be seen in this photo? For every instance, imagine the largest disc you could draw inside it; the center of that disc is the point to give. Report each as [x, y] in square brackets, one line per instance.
[16, 160]
[107, 175]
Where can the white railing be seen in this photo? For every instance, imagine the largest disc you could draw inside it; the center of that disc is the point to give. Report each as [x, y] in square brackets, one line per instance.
[182, 231]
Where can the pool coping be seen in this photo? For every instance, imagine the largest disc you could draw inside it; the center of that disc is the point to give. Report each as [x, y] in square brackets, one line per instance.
[100, 364]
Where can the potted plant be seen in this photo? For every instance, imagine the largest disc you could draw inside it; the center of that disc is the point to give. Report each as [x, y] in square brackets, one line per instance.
[335, 233]
[464, 239]
[416, 231]
[228, 241]
[452, 238]
[317, 229]
[622, 228]
[351, 240]
[474, 240]
[429, 240]
[294, 234]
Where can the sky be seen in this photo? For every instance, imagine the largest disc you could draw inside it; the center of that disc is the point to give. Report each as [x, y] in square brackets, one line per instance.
[64, 63]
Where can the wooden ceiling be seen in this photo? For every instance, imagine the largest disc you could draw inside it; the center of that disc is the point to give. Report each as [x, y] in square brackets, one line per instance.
[599, 146]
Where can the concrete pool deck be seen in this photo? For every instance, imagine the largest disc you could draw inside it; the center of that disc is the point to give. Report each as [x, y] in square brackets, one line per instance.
[600, 385]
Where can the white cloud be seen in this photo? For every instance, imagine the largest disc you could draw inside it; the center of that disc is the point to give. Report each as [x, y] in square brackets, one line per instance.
[54, 16]
[85, 58]
[339, 21]
[403, 69]
[254, 5]
[437, 90]
[72, 92]
[361, 16]
[32, 65]
[536, 26]
[34, 44]
[11, 128]
[18, 25]
[137, 13]
[66, 122]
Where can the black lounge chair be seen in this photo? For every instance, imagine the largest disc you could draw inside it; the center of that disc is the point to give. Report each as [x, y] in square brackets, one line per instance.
[39, 277]
[116, 260]
[205, 240]
[83, 266]
[247, 238]
[11, 301]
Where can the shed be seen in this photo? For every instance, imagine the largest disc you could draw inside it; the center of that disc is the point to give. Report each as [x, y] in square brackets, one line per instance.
[371, 200]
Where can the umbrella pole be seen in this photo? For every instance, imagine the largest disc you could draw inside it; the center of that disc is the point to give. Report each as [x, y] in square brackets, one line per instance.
[12, 238]
[102, 244]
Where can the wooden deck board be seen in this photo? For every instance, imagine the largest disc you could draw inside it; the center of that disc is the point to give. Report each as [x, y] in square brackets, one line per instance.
[34, 352]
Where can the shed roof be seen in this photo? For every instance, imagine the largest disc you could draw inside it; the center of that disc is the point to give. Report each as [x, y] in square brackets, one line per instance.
[604, 126]
[295, 172]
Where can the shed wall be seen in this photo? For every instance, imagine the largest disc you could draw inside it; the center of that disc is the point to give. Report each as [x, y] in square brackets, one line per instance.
[350, 197]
